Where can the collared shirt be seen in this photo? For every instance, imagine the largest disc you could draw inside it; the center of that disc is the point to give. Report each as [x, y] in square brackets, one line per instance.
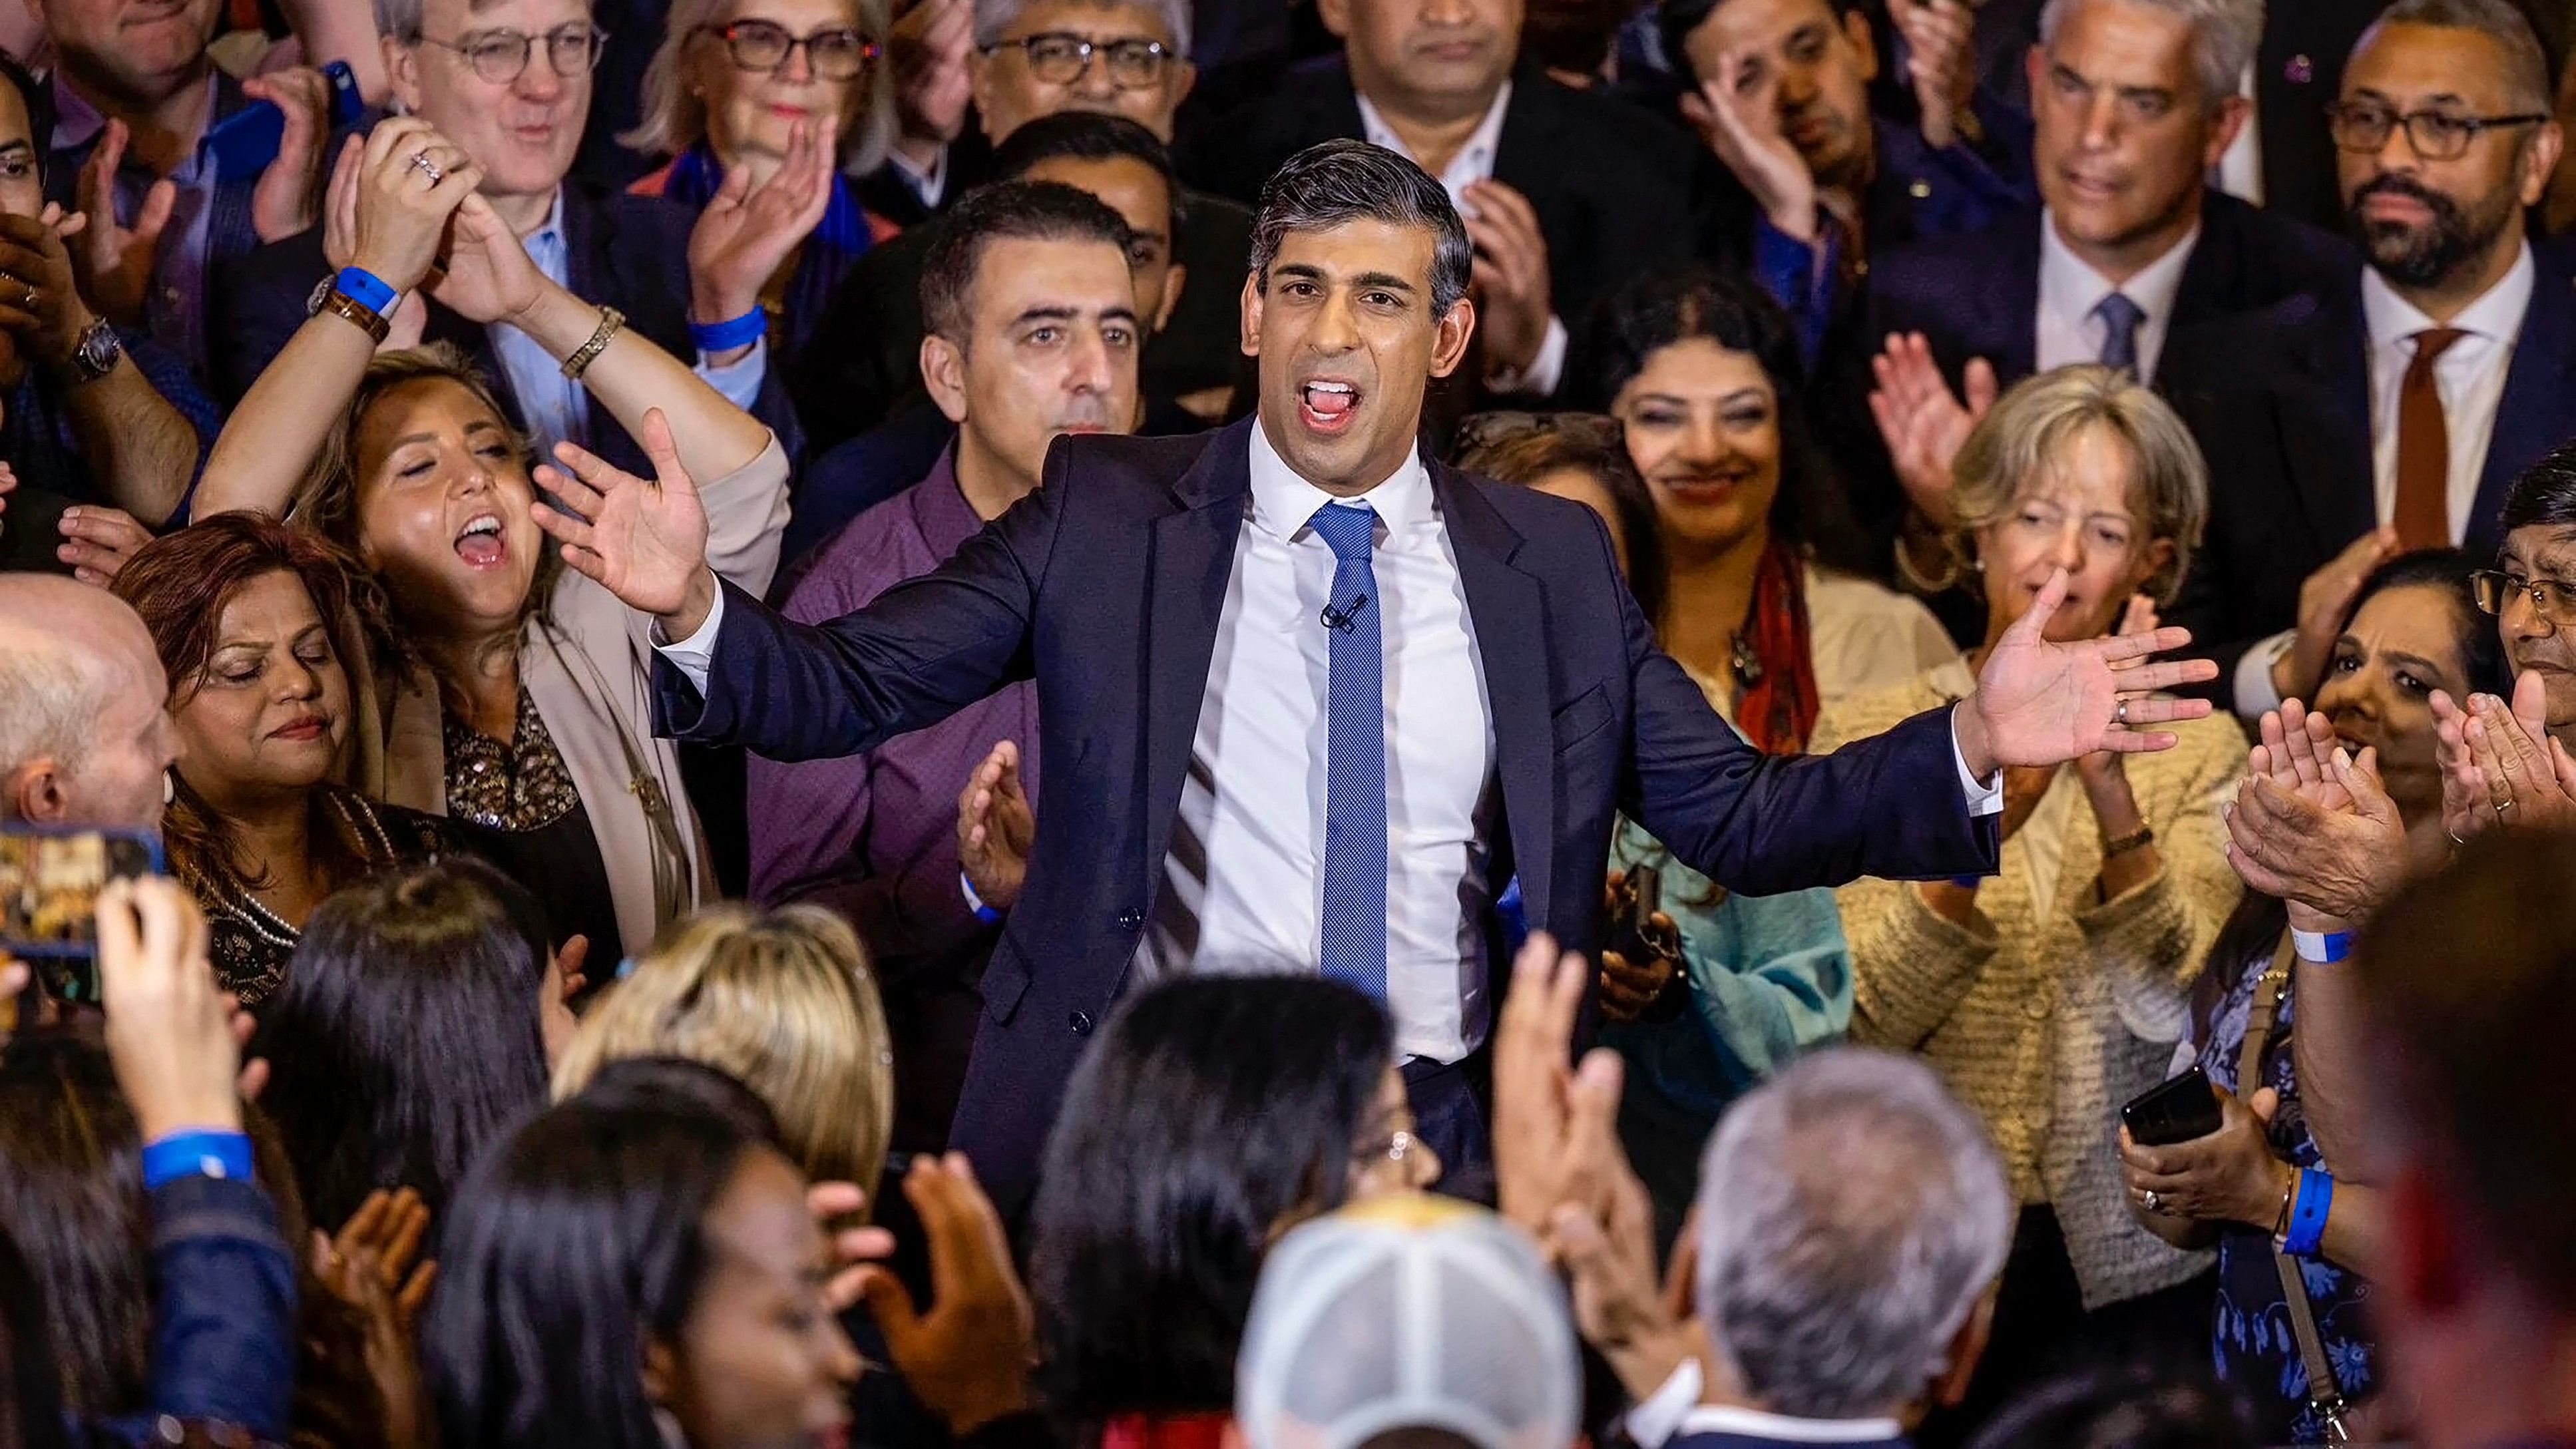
[174, 307]
[1674, 1411]
[1243, 883]
[1473, 163]
[554, 408]
[2069, 290]
[2470, 377]
[2240, 170]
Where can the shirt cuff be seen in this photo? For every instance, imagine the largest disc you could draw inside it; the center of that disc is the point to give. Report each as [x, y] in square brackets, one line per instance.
[1659, 1416]
[695, 656]
[1983, 798]
[1545, 371]
[2254, 692]
[927, 182]
[738, 381]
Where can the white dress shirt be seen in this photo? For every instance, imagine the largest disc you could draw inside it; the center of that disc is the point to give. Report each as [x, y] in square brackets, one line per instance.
[2470, 377]
[2240, 170]
[2070, 290]
[1243, 884]
[1473, 163]
[1675, 1409]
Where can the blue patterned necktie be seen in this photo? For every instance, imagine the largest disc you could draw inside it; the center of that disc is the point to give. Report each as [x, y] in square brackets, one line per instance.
[2120, 320]
[1354, 935]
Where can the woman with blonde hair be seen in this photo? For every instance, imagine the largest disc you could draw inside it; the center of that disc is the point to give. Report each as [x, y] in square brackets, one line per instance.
[2054, 991]
[779, 1000]
[743, 89]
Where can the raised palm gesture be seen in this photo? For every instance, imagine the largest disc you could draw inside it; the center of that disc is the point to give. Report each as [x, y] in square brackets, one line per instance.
[645, 542]
[1923, 422]
[2039, 702]
[746, 234]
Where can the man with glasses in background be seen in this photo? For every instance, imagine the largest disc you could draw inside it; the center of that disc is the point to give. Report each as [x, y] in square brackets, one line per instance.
[509, 83]
[2395, 412]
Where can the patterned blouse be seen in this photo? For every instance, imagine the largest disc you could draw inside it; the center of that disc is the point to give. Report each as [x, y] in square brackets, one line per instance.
[2256, 1348]
[250, 943]
[516, 787]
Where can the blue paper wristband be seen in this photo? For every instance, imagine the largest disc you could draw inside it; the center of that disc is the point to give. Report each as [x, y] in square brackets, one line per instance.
[987, 914]
[742, 331]
[367, 289]
[2322, 947]
[196, 1154]
[2308, 1214]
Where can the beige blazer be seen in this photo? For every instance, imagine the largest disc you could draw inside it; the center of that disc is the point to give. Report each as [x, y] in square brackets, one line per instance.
[589, 667]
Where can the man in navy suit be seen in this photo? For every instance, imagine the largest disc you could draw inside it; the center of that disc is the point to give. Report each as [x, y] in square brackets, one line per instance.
[1308, 699]
[2394, 410]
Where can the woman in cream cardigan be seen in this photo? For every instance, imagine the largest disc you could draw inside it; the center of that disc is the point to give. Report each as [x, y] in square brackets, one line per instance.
[2052, 992]
[516, 693]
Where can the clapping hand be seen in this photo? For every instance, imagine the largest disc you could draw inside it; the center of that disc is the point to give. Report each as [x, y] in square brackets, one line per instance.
[2044, 703]
[645, 542]
[1941, 62]
[1621, 1306]
[98, 542]
[2312, 824]
[2325, 601]
[2511, 771]
[745, 234]
[40, 298]
[282, 204]
[995, 828]
[967, 1359]
[1513, 301]
[373, 1267]
[1738, 115]
[489, 276]
[1923, 422]
[115, 259]
[1546, 1109]
[384, 209]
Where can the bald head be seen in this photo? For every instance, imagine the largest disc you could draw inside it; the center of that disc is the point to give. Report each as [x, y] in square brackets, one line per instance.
[84, 738]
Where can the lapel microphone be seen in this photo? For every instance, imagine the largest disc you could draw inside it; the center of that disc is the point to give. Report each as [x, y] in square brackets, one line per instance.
[1344, 619]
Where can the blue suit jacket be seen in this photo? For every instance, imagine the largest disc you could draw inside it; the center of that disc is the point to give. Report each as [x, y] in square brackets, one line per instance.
[1105, 585]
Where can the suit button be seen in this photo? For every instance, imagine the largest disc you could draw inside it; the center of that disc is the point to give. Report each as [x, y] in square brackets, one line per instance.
[1080, 1021]
[1130, 920]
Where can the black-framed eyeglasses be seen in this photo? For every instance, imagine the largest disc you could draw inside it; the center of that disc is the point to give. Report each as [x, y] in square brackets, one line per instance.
[499, 56]
[2360, 126]
[839, 53]
[2554, 599]
[1060, 59]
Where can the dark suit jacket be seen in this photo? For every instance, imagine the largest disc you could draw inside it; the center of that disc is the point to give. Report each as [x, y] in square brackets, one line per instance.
[1616, 190]
[1105, 586]
[2280, 402]
[627, 252]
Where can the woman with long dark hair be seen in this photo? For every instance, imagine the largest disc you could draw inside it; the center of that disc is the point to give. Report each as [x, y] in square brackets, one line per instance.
[413, 1028]
[1215, 1113]
[258, 625]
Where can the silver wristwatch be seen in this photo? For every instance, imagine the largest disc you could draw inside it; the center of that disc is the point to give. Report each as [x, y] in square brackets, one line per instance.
[94, 355]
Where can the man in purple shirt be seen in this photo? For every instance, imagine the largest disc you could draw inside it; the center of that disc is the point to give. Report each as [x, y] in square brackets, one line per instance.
[1032, 331]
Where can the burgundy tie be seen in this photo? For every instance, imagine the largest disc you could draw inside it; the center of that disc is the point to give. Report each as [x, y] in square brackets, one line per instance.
[2423, 515]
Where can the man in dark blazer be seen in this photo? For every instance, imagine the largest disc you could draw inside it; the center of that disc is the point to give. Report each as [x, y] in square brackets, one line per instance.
[1199, 613]
[2303, 408]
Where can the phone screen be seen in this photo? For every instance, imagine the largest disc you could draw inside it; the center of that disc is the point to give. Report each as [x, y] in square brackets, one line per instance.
[49, 886]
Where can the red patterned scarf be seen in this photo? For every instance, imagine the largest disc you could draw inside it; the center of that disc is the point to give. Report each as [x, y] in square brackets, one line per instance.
[1778, 709]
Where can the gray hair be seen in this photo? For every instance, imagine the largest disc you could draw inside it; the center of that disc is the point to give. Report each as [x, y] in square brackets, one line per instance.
[1334, 182]
[2526, 64]
[56, 675]
[674, 120]
[1852, 1213]
[2030, 427]
[2224, 34]
[994, 18]
[400, 20]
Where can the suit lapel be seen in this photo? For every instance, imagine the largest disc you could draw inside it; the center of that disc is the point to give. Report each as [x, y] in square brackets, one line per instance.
[2538, 410]
[2212, 274]
[1505, 605]
[2334, 473]
[1191, 562]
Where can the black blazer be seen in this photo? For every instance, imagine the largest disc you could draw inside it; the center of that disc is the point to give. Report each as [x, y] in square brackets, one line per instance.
[1617, 190]
[1978, 296]
[1105, 586]
[2280, 402]
[628, 252]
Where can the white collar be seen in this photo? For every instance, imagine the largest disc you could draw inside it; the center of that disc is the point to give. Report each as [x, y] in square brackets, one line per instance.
[2078, 289]
[1758, 1424]
[1283, 502]
[2497, 313]
[1477, 153]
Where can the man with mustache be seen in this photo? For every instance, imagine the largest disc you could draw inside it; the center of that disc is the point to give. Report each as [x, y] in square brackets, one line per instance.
[2395, 411]
[1033, 333]
[1309, 698]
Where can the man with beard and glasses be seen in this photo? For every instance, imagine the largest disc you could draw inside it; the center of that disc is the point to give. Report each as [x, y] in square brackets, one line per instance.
[1030, 307]
[2394, 412]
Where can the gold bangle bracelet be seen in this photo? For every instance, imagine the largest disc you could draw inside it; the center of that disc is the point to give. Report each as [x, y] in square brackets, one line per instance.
[368, 319]
[611, 321]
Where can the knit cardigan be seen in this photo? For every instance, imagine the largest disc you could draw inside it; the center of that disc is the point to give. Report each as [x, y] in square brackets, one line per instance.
[2047, 1015]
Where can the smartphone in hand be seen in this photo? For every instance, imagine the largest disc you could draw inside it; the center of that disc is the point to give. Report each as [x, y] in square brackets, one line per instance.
[50, 881]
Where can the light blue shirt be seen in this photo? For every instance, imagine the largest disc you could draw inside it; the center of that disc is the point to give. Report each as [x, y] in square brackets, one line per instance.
[554, 408]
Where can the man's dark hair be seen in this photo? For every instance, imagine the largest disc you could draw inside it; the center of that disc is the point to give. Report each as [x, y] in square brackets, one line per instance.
[1005, 211]
[2469, 981]
[38, 98]
[1678, 18]
[1090, 136]
[2545, 495]
[1327, 185]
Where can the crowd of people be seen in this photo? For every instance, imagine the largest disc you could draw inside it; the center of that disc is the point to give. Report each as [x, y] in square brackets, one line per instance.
[1289, 723]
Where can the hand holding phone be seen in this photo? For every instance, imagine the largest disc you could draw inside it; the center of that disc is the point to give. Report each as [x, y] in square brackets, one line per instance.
[2184, 1109]
[51, 881]
[169, 1025]
[1646, 984]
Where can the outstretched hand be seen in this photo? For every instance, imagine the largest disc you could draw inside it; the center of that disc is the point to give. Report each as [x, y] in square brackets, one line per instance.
[643, 541]
[2040, 702]
[996, 829]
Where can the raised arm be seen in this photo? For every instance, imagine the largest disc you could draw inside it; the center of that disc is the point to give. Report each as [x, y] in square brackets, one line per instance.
[382, 196]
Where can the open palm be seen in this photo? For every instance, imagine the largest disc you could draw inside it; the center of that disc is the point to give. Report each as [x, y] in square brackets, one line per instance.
[645, 542]
[2045, 703]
